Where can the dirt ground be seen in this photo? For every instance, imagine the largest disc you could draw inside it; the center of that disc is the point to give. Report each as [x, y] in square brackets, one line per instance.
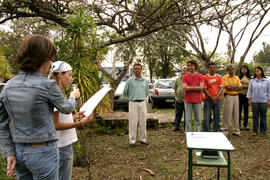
[166, 157]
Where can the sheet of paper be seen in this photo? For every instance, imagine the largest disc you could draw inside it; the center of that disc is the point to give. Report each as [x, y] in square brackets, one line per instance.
[92, 102]
[208, 140]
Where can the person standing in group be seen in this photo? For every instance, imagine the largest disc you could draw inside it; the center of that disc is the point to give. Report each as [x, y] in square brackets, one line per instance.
[137, 89]
[213, 88]
[232, 85]
[193, 86]
[259, 97]
[179, 100]
[244, 77]
[27, 103]
[61, 72]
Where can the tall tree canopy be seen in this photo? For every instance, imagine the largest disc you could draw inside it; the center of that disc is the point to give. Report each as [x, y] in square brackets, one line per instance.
[263, 56]
[126, 19]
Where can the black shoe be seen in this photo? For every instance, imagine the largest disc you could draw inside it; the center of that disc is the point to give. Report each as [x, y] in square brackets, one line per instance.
[132, 145]
[144, 143]
[176, 130]
[246, 128]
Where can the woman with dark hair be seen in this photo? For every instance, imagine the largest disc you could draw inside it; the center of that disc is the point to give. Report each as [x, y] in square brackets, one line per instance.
[259, 97]
[244, 77]
[61, 72]
[26, 106]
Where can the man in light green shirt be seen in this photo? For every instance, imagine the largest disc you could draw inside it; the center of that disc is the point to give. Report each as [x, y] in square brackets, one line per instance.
[136, 89]
[179, 99]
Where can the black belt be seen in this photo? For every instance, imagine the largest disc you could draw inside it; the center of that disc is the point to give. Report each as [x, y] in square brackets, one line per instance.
[137, 100]
[225, 94]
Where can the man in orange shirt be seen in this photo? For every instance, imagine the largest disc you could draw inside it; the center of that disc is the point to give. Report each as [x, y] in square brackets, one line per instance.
[232, 85]
[213, 88]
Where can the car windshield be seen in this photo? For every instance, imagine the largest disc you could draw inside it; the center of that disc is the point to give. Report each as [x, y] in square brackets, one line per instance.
[164, 84]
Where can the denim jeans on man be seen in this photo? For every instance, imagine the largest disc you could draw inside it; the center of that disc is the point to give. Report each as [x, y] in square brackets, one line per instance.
[196, 108]
[208, 108]
[66, 162]
[259, 111]
[179, 111]
[37, 161]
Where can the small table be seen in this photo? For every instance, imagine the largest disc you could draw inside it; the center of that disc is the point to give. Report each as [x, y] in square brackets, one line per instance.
[216, 141]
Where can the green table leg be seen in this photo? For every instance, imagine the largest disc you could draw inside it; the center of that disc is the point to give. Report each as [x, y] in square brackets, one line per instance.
[218, 173]
[229, 165]
[189, 164]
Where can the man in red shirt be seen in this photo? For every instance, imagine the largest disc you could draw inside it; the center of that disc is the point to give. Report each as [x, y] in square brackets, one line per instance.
[193, 84]
[213, 88]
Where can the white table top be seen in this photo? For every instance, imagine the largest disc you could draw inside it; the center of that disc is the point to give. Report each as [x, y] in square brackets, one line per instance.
[208, 141]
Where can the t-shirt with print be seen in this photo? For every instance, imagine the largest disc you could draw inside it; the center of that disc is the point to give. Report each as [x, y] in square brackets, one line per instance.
[212, 85]
[192, 81]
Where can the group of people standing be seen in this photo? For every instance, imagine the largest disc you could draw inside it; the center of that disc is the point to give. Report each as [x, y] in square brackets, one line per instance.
[237, 92]
[36, 121]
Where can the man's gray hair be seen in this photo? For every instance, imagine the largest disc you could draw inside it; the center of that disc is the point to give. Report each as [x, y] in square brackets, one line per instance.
[230, 66]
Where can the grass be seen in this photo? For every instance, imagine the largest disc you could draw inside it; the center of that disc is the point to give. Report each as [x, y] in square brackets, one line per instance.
[167, 157]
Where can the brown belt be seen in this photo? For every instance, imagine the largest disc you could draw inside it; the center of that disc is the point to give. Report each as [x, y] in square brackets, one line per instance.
[225, 94]
[37, 144]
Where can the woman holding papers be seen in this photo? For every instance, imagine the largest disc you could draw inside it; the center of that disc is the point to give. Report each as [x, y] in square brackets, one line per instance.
[27, 135]
[64, 124]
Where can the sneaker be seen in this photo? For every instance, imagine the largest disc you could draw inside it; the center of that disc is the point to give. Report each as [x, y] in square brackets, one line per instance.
[144, 143]
[246, 128]
[222, 129]
[176, 130]
[132, 145]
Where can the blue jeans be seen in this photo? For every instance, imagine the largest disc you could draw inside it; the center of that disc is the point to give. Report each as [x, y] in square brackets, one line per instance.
[66, 162]
[196, 108]
[208, 107]
[179, 110]
[37, 161]
[259, 110]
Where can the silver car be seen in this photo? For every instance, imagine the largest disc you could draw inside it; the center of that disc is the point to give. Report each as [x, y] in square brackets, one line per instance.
[119, 99]
[162, 92]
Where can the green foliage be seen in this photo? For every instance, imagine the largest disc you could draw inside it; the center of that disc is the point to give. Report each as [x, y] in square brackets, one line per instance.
[10, 40]
[80, 48]
[3, 166]
[103, 129]
[263, 56]
[161, 55]
[5, 70]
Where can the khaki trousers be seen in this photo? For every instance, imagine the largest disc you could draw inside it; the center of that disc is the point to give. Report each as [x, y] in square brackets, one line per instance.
[231, 113]
[137, 121]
